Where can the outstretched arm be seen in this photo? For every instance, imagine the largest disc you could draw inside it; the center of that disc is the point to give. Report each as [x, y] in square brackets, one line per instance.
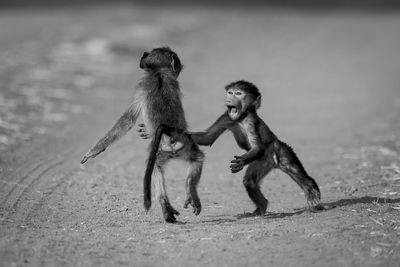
[204, 138]
[208, 137]
[120, 128]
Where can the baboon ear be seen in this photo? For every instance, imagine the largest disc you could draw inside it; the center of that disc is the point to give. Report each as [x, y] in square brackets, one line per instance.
[176, 65]
[142, 65]
[257, 102]
[173, 62]
[145, 54]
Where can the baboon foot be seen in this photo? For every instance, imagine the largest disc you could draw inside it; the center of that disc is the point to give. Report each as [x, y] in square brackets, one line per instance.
[169, 213]
[195, 204]
[259, 211]
[313, 200]
[255, 213]
[317, 208]
[169, 217]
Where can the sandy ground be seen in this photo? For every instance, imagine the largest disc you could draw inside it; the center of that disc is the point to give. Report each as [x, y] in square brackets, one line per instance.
[330, 83]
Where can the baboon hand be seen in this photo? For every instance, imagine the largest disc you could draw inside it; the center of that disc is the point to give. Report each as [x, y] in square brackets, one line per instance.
[92, 153]
[238, 164]
[142, 131]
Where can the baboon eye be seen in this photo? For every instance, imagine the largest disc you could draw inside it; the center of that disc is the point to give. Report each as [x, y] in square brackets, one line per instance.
[230, 93]
[238, 93]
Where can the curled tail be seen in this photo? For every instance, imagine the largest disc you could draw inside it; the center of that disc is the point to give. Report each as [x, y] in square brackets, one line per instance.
[150, 166]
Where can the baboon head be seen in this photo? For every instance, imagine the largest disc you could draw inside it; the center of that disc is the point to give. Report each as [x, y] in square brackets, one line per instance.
[161, 58]
[241, 97]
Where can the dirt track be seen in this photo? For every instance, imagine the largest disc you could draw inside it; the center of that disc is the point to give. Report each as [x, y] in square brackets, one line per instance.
[330, 84]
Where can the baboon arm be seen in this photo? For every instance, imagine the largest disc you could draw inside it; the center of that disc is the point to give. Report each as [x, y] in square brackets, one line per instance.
[120, 128]
[253, 154]
[208, 137]
[239, 162]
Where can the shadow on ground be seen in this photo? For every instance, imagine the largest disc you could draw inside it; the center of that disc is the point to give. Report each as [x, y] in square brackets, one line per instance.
[220, 219]
[327, 206]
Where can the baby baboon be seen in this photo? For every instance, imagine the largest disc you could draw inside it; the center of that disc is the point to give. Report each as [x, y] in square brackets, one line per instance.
[264, 150]
[158, 99]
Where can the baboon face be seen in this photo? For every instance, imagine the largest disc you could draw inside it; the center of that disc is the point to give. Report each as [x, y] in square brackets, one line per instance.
[161, 58]
[241, 97]
[239, 101]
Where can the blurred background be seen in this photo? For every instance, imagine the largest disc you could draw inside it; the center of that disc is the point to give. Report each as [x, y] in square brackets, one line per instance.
[290, 3]
[329, 73]
[312, 51]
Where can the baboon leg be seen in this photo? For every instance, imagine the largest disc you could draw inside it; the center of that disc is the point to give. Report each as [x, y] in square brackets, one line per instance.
[289, 163]
[161, 194]
[255, 172]
[193, 178]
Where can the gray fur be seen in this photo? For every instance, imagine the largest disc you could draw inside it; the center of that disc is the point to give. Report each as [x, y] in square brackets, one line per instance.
[158, 99]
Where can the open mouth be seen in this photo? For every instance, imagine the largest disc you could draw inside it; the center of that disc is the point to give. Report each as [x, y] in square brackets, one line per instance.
[233, 112]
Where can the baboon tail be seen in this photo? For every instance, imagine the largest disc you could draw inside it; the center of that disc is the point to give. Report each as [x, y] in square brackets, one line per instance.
[150, 166]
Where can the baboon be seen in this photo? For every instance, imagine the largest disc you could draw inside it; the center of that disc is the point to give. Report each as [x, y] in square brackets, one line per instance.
[264, 150]
[158, 100]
